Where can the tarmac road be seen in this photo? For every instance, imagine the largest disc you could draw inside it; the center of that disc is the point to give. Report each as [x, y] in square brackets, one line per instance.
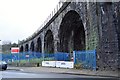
[18, 75]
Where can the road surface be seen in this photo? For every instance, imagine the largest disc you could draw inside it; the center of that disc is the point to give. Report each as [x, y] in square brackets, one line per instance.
[18, 75]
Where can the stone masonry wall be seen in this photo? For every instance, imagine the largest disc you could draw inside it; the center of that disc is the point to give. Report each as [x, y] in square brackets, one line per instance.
[107, 54]
[102, 30]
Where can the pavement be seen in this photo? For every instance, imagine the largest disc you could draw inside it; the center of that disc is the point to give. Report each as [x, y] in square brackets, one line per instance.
[115, 74]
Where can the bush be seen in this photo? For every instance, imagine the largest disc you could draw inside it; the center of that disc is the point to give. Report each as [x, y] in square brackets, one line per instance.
[78, 66]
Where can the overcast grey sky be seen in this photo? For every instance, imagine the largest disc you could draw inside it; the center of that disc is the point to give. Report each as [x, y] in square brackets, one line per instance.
[21, 18]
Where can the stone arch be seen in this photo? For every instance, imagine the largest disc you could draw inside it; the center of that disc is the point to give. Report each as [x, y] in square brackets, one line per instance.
[32, 46]
[26, 47]
[39, 45]
[71, 33]
[21, 49]
[49, 42]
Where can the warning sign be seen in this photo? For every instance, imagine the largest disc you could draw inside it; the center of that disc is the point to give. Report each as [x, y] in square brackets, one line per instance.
[15, 50]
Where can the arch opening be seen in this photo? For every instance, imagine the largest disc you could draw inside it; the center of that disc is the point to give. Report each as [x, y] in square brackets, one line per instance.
[26, 47]
[21, 49]
[32, 46]
[71, 33]
[48, 42]
[39, 46]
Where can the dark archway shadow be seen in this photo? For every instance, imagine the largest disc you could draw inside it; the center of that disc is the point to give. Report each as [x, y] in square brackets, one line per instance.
[71, 33]
[49, 42]
[39, 45]
[26, 47]
[32, 46]
[21, 49]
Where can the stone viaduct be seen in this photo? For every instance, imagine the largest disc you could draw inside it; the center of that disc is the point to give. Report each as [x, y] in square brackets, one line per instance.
[81, 26]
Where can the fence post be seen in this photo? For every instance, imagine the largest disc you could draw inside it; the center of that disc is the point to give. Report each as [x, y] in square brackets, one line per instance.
[74, 57]
[94, 66]
[18, 59]
[43, 55]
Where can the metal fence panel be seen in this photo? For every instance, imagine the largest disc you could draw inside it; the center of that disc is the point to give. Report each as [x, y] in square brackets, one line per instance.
[86, 58]
[60, 56]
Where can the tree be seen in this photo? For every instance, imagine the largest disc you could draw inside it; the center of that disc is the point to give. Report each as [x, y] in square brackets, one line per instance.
[6, 45]
[14, 45]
